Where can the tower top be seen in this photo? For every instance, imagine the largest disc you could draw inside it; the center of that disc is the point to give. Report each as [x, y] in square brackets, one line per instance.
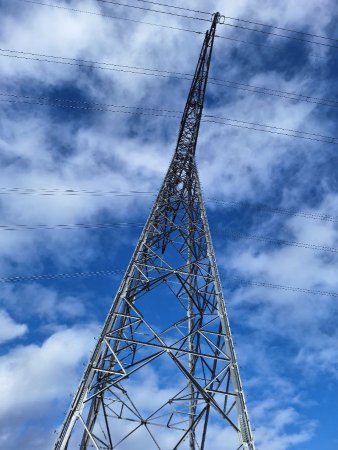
[218, 18]
[190, 123]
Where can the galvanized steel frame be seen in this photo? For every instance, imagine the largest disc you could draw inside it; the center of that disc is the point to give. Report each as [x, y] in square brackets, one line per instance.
[175, 250]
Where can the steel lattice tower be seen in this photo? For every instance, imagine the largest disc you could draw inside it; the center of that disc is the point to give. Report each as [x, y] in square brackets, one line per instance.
[189, 349]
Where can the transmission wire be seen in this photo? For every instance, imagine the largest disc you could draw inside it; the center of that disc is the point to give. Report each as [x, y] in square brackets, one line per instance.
[268, 285]
[222, 23]
[99, 193]
[70, 192]
[20, 278]
[18, 227]
[237, 19]
[115, 69]
[219, 229]
[225, 24]
[274, 47]
[168, 74]
[151, 10]
[175, 7]
[315, 247]
[280, 28]
[167, 26]
[109, 16]
[110, 272]
[136, 108]
[279, 35]
[289, 212]
[61, 103]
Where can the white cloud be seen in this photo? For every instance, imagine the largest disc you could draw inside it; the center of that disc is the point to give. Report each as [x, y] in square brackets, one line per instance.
[275, 435]
[36, 380]
[9, 329]
[44, 303]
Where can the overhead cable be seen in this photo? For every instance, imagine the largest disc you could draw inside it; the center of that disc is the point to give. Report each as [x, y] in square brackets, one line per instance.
[126, 5]
[174, 113]
[81, 63]
[90, 104]
[259, 45]
[227, 203]
[289, 212]
[77, 105]
[98, 273]
[175, 7]
[91, 226]
[268, 285]
[70, 192]
[281, 242]
[151, 24]
[237, 19]
[322, 101]
[90, 63]
[18, 54]
[110, 16]
[110, 272]
[271, 127]
[218, 229]
[271, 33]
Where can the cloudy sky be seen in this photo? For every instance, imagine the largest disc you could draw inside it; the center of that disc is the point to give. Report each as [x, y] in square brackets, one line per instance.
[71, 76]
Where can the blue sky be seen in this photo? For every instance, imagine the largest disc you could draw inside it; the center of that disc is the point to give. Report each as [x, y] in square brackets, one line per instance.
[286, 341]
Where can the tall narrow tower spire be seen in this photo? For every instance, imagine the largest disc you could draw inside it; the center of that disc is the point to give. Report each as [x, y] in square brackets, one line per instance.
[168, 324]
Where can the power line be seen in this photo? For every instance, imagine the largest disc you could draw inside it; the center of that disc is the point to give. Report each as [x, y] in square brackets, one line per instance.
[289, 212]
[110, 16]
[104, 273]
[251, 126]
[103, 226]
[90, 63]
[276, 93]
[280, 28]
[70, 192]
[269, 46]
[62, 103]
[279, 35]
[18, 227]
[154, 24]
[268, 285]
[18, 54]
[132, 193]
[175, 112]
[271, 240]
[79, 64]
[271, 127]
[72, 102]
[152, 10]
[86, 108]
[223, 23]
[175, 7]
[98, 273]
[237, 19]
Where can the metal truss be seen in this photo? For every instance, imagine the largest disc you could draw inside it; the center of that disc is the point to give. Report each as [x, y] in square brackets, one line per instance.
[168, 323]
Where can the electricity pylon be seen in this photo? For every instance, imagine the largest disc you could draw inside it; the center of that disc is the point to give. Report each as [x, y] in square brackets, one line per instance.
[164, 373]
